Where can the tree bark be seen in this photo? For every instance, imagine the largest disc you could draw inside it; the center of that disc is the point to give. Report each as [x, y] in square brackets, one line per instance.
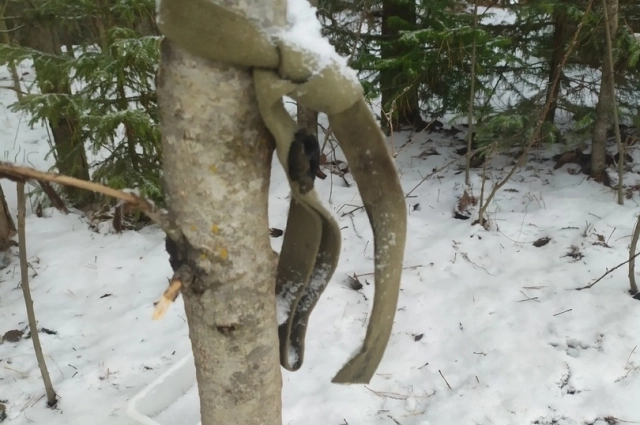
[217, 164]
[605, 104]
[15, 78]
[7, 226]
[557, 53]
[71, 157]
[392, 85]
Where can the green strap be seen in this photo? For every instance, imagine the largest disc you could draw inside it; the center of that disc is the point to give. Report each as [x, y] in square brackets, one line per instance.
[311, 245]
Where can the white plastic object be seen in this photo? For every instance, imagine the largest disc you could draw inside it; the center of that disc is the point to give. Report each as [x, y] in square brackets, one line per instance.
[169, 400]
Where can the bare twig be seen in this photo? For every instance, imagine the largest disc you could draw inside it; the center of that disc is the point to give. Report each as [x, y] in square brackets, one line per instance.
[404, 268]
[445, 379]
[632, 255]
[589, 286]
[481, 203]
[527, 298]
[28, 301]
[352, 211]
[629, 358]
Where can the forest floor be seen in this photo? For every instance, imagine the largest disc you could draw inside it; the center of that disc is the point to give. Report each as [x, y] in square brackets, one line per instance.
[490, 329]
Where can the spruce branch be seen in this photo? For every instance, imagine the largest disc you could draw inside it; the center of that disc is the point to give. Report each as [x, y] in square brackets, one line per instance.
[541, 116]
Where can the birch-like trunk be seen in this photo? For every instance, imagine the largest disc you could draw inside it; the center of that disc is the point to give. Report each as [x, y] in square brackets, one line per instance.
[217, 164]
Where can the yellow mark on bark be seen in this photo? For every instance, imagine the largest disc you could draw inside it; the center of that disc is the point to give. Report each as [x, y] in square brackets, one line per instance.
[224, 253]
[213, 168]
[215, 229]
[193, 228]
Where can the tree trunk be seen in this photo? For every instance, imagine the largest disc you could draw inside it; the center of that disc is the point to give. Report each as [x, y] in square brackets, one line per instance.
[217, 165]
[392, 85]
[7, 226]
[15, 78]
[604, 106]
[71, 157]
[557, 53]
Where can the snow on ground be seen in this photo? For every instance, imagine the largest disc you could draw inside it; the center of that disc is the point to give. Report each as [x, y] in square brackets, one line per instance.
[489, 328]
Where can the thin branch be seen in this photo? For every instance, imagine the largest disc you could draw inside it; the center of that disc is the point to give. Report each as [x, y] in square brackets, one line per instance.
[632, 255]
[28, 301]
[591, 285]
[445, 379]
[21, 174]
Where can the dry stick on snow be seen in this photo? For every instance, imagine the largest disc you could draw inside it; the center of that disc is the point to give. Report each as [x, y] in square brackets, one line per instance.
[608, 272]
[28, 301]
[404, 268]
[536, 133]
[445, 379]
[614, 103]
[632, 255]
[626, 365]
[472, 96]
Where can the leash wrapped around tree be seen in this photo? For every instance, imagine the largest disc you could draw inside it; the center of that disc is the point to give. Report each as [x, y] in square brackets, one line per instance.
[311, 245]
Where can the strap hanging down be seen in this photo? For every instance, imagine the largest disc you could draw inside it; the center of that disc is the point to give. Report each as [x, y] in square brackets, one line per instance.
[312, 240]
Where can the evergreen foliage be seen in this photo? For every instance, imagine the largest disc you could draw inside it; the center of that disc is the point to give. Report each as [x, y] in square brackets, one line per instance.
[516, 57]
[110, 71]
[98, 69]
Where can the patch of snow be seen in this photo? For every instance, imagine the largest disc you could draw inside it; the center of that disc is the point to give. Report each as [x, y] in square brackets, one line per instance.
[304, 32]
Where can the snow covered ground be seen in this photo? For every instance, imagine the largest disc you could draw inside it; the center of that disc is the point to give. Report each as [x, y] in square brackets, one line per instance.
[489, 328]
